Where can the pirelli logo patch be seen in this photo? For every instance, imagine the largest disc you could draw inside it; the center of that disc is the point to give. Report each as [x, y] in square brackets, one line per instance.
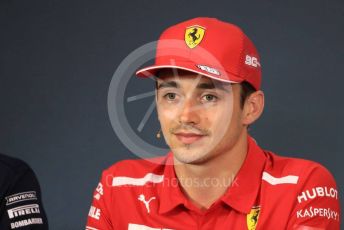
[23, 210]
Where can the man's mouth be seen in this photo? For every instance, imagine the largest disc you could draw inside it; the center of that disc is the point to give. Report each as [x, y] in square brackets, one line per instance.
[188, 138]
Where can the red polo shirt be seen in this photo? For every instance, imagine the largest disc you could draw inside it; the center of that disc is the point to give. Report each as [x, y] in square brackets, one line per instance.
[269, 192]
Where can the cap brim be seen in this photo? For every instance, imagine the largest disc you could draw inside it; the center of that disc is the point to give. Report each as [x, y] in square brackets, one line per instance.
[223, 76]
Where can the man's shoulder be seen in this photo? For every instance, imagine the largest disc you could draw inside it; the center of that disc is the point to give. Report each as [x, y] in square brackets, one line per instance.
[302, 189]
[11, 170]
[128, 175]
[136, 167]
[280, 163]
[302, 170]
[12, 166]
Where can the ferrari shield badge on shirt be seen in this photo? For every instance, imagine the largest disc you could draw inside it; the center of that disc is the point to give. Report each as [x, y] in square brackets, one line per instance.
[194, 35]
[252, 218]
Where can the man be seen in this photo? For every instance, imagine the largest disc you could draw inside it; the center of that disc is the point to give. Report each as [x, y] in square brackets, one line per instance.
[21, 205]
[216, 176]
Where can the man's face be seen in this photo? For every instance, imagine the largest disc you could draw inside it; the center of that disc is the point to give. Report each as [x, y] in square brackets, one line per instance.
[200, 117]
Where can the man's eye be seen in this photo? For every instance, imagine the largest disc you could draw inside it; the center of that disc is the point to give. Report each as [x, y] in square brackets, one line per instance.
[170, 96]
[210, 97]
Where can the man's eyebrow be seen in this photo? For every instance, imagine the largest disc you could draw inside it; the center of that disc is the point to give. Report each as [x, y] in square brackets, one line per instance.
[168, 84]
[213, 85]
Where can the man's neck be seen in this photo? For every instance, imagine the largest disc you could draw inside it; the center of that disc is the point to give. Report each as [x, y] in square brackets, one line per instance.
[204, 183]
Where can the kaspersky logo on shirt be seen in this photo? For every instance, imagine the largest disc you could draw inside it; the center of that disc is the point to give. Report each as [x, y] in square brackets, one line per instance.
[252, 218]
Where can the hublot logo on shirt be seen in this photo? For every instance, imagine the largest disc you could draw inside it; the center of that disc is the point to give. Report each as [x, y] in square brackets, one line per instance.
[318, 192]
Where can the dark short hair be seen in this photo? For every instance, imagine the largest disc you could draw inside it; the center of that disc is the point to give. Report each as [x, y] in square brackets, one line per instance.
[246, 90]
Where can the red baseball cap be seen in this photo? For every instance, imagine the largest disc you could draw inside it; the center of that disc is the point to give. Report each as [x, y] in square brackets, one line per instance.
[209, 47]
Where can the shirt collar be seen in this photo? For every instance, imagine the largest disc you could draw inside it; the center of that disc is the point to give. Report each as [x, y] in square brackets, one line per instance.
[170, 192]
[241, 195]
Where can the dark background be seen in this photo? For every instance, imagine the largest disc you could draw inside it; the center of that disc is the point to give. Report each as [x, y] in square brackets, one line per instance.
[57, 59]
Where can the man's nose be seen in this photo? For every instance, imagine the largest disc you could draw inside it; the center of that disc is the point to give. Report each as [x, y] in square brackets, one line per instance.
[190, 112]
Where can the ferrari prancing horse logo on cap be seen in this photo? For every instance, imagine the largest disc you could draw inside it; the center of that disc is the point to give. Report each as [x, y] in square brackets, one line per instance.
[194, 35]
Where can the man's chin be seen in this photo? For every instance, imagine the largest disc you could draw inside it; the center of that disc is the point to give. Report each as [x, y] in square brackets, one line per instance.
[188, 156]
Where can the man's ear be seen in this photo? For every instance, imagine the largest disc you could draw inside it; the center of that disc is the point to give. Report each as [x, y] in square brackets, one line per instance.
[253, 107]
